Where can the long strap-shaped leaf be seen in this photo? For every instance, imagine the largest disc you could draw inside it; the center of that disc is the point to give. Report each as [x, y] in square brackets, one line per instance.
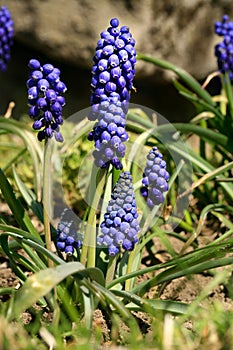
[182, 74]
[208, 135]
[14, 127]
[150, 305]
[40, 284]
[180, 264]
[16, 207]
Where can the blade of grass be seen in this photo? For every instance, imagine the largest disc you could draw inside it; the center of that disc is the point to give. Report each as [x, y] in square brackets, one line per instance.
[151, 306]
[28, 196]
[182, 74]
[15, 206]
[207, 177]
[14, 127]
[208, 135]
[190, 259]
[117, 305]
[39, 284]
[201, 221]
[228, 89]
[47, 194]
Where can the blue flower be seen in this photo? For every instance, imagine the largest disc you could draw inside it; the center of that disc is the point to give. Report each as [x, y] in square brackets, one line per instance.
[224, 49]
[68, 238]
[46, 100]
[112, 80]
[109, 134]
[120, 226]
[155, 178]
[114, 64]
[6, 37]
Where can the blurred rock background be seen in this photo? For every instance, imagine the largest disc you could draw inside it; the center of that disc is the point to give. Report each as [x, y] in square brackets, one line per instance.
[65, 32]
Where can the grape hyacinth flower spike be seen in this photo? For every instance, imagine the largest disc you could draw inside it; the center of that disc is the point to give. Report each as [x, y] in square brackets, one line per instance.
[224, 50]
[6, 37]
[68, 239]
[46, 100]
[112, 80]
[120, 226]
[155, 178]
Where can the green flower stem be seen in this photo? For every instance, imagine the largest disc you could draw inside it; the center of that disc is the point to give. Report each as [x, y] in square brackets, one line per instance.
[115, 177]
[47, 194]
[148, 218]
[96, 186]
[133, 264]
[91, 234]
[111, 268]
[203, 124]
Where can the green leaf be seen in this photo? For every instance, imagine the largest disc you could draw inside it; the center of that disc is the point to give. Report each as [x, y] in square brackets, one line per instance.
[189, 263]
[34, 148]
[41, 284]
[228, 89]
[182, 74]
[151, 305]
[15, 267]
[201, 105]
[188, 268]
[24, 237]
[15, 206]
[93, 273]
[29, 196]
[209, 176]
[205, 211]
[208, 135]
[117, 304]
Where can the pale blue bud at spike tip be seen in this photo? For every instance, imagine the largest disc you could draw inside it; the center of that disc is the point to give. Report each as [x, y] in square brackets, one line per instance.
[155, 178]
[46, 100]
[112, 80]
[6, 37]
[224, 49]
[119, 230]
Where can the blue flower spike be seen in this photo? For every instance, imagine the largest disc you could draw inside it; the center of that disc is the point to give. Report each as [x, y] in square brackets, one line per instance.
[224, 49]
[45, 99]
[68, 238]
[112, 80]
[155, 178]
[6, 37]
[119, 230]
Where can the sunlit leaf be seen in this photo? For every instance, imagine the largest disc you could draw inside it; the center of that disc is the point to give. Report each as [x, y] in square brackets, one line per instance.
[16, 206]
[41, 284]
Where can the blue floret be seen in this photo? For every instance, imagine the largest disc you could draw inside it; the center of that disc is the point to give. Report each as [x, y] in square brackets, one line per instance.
[120, 227]
[45, 90]
[6, 37]
[155, 178]
[112, 80]
[68, 238]
[224, 49]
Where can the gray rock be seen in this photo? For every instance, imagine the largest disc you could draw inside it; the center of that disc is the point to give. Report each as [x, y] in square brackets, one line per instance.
[181, 31]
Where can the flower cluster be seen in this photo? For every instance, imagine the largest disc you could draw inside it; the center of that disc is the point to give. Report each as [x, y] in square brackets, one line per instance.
[155, 178]
[120, 226]
[6, 37]
[68, 239]
[112, 80]
[224, 50]
[109, 134]
[45, 98]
